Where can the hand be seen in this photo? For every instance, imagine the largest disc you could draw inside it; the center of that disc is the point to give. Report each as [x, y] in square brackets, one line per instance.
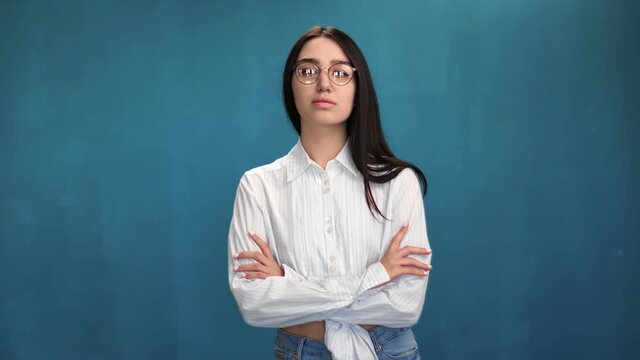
[397, 262]
[266, 264]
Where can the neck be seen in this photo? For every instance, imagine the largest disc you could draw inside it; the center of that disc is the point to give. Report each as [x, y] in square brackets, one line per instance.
[324, 143]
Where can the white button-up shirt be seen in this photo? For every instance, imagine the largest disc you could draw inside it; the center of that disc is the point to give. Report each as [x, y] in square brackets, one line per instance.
[319, 228]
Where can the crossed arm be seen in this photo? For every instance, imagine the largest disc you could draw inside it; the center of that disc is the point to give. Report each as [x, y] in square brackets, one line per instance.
[389, 292]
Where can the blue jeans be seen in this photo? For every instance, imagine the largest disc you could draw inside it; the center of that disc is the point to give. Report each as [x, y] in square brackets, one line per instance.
[390, 344]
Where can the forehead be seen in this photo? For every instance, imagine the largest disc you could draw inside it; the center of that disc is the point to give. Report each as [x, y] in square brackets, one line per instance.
[323, 49]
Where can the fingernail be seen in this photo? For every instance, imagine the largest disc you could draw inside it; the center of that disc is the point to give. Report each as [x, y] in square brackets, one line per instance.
[426, 273]
[235, 268]
[406, 224]
[236, 255]
[251, 233]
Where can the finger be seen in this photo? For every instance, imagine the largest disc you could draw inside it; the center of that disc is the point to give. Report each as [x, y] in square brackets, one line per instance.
[395, 242]
[414, 250]
[263, 245]
[410, 270]
[255, 275]
[256, 255]
[249, 267]
[415, 263]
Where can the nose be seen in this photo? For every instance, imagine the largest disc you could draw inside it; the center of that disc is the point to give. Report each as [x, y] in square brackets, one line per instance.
[323, 82]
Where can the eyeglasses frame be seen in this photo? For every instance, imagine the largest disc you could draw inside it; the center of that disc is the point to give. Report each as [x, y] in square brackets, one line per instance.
[295, 73]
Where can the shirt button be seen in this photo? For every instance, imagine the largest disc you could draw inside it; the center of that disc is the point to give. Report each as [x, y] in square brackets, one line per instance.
[327, 189]
[332, 258]
[327, 219]
[328, 229]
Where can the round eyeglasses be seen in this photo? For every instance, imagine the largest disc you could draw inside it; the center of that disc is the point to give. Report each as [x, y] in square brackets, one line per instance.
[339, 74]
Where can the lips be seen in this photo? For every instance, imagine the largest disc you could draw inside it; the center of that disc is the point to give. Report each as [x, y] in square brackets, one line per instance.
[323, 100]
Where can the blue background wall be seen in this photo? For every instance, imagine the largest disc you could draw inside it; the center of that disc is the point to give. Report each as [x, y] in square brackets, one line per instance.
[125, 128]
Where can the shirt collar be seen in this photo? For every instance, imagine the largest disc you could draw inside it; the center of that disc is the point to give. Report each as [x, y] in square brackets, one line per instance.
[299, 160]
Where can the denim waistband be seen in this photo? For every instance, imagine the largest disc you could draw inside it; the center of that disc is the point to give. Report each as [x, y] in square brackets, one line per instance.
[301, 344]
[314, 347]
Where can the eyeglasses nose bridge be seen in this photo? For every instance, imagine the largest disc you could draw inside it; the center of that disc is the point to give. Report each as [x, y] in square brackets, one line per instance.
[321, 72]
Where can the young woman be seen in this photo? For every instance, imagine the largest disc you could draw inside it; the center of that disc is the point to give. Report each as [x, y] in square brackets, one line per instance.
[329, 243]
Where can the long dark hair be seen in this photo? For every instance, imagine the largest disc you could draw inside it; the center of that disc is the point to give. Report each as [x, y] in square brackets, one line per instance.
[369, 150]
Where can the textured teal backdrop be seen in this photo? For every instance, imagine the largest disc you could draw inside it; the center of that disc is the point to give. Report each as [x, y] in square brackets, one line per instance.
[125, 129]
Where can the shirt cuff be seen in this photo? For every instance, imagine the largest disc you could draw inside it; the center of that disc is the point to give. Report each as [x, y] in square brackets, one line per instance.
[376, 274]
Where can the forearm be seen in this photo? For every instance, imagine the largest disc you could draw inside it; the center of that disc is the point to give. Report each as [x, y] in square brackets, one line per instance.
[280, 301]
[397, 304]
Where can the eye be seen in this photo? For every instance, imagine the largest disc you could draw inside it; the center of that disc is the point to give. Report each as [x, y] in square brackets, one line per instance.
[307, 71]
[341, 72]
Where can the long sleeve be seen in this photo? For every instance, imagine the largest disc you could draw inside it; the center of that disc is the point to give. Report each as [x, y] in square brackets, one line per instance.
[289, 300]
[399, 303]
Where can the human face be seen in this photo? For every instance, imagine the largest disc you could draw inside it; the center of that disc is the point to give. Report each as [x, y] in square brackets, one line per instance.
[340, 98]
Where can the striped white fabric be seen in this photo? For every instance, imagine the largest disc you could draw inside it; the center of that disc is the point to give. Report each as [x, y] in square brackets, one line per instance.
[321, 231]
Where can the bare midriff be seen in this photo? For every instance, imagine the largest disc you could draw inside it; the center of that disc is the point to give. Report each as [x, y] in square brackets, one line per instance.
[314, 329]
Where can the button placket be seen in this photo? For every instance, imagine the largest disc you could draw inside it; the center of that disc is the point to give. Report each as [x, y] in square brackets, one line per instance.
[328, 223]
[326, 185]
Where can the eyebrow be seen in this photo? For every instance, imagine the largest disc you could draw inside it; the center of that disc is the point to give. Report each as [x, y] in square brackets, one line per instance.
[317, 62]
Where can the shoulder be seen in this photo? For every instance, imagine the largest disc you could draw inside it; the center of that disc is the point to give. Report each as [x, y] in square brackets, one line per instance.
[256, 178]
[405, 186]
[406, 178]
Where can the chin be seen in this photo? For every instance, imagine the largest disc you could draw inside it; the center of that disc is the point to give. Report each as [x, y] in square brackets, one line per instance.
[328, 122]
[326, 118]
